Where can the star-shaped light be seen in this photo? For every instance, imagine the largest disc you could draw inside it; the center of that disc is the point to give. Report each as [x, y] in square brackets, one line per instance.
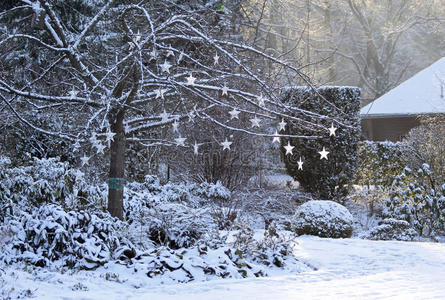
[99, 148]
[226, 144]
[153, 53]
[109, 136]
[190, 80]
[323, 154]
[84, 160]
[175, 126]
[79, 175]
[93, 138]
[191, 116]
[160, 94]
[289, 148]
[170, 53]
[225, 90]
[215, 59]
[180, 141]
[126, 128]
[234, 114]
[332, 130]
[282, 125]
[165, 67]
[195, 148]
[276, 137]
[300, 164]
[137, 38]
[260, 99]
[164, 116]
[76, 146]
[255, 122]
[73, 94]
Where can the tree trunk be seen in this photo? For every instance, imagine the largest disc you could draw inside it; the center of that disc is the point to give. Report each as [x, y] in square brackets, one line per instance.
[117, 168]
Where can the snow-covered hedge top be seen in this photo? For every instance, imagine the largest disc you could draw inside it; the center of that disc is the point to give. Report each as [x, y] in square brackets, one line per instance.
[325, 209]
[305, 89]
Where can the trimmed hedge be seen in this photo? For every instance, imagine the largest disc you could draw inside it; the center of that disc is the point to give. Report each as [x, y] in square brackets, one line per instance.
[325, 179]
[324, 219]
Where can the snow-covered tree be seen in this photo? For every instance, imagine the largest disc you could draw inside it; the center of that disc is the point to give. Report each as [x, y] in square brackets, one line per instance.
[115, 72]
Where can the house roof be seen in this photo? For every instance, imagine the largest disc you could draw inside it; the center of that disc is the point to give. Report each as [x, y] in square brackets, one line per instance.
[421, 94]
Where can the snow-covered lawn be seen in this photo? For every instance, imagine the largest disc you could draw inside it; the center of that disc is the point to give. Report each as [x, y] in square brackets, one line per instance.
[345, 268]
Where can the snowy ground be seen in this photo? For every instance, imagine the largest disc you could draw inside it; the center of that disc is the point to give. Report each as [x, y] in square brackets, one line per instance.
[347, 268]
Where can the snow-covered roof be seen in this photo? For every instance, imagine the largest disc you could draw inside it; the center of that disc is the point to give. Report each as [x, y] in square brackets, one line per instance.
[421, 94]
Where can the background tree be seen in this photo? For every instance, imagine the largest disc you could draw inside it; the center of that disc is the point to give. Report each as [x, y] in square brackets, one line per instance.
[371, 44]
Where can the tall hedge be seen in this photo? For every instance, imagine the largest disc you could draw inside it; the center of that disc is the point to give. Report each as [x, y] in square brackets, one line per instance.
[325, 179]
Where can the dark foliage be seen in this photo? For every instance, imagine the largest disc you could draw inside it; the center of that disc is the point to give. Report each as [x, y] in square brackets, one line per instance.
[326, 179]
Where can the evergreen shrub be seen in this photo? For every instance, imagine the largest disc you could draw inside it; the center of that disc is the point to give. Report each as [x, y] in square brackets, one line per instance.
[326, 179]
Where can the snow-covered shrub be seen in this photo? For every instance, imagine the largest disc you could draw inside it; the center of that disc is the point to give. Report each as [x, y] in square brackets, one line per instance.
[392, 229]
[272, 250]
[272, 205]
[426, 145]
[176, 225]
[326, 179]
[225, 216]
[380, 162]
[223, 208]
[44, 181]
[177, 214]
[417, 198]
[213, 191]
[182, 192]
[169, 215]
[201, 263]
[73, 239]
[324, 219]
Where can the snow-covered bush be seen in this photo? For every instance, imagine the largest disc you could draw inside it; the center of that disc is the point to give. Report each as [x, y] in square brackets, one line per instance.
[183, 192]
[324, 219]
[380, 162]
[327, 179]
[214, 191]
[73, 239]
[223, 208]
[175, 214]
[417, 198]
[392, 229]
[202, 263]
[44, 181]
[275, 247]
[177, 226]
[426, 145]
